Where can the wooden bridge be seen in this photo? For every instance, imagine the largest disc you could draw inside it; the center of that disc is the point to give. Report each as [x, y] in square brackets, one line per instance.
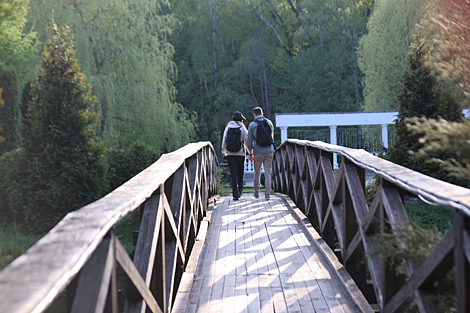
[303, 250]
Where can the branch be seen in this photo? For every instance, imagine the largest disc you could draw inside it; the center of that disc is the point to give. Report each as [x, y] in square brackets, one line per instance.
[278, 37]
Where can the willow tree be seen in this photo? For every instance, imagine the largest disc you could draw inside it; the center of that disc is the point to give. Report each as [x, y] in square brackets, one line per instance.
[17, 50]
[123, 50]
[383, 50]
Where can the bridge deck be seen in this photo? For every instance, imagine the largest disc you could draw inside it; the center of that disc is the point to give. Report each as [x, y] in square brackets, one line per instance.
[258, 258]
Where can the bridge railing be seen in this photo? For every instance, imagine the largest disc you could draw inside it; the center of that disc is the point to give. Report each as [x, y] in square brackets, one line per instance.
[83, 256]
[338, 210]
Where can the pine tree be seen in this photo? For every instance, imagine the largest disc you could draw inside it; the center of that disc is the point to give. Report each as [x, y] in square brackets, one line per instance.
[421, 95]
[65, 165]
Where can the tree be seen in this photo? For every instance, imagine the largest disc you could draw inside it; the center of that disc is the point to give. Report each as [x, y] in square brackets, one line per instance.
[452, 60]
[17, 50]
[382, 51]
[123, 50]
[61, 165]
[421, 96]
[284, 56]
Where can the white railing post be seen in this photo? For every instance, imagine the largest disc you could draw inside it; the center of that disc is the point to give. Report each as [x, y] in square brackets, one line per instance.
[385, 135]
[333, 141]
[283, 133]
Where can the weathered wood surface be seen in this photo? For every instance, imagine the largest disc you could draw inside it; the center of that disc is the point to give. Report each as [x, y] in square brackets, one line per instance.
[259, 256]
[336, 205]
[35, 279]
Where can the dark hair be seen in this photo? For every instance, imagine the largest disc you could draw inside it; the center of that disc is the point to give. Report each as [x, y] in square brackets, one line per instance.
[237, 116]
[258, 111]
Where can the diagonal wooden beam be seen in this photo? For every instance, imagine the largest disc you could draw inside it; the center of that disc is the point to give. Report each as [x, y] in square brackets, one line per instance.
[435, 266]
[133, 274]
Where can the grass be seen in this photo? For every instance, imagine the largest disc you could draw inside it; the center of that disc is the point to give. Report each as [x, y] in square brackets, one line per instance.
[429, 216]
[14, 242]
[124, 229]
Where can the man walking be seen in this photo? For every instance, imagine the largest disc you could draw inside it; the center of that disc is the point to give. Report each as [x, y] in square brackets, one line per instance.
[260, 147]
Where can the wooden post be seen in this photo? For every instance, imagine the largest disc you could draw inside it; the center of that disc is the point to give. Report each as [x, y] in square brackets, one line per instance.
[461, 257]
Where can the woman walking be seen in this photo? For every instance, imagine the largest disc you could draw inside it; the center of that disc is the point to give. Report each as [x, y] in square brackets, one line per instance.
[234, 151]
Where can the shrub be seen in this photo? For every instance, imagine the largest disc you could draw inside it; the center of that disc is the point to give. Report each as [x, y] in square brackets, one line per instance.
[126, 163]
[417, 245]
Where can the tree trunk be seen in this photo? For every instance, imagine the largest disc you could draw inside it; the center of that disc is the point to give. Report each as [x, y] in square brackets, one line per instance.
[214, 52]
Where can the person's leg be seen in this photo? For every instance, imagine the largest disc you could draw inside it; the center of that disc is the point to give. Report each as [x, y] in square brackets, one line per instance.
[240, 173]
[232, 166]
[268, 163]
[257, 161]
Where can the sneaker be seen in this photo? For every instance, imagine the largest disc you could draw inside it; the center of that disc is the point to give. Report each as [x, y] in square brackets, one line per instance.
[256, 195]
[235, 199]
[266, 196]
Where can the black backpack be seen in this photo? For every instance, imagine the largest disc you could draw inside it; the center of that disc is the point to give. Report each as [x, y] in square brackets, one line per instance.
[234, 139]
[264, 133]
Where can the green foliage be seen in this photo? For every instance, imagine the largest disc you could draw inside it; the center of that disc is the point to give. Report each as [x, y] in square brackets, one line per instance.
[296, 56]
[124, 229]
[430, 217]
[8, 113]
[14, 242]
[415, 244]
[223, 182]
[371, 190]
[383, 50]
[14, 184]
[421, 95]
[123, 51]
[446, 142]
[17, 47]
[17, 51]
[126, 163]
[60, 166]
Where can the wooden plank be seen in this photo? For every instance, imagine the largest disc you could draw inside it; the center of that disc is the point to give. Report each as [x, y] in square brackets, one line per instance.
[94, 279]
[146, 249]
[177, 202]
[319, 247]
[462, 267]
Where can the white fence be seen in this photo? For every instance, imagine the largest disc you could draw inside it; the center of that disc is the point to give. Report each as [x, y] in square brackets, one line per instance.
[249, 166]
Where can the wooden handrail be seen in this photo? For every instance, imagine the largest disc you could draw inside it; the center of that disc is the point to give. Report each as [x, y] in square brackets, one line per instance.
[338, 210]
[82, 254]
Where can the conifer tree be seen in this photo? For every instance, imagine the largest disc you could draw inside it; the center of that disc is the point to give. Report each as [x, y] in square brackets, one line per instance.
[421, 95]
[65, 164]
[452, 60]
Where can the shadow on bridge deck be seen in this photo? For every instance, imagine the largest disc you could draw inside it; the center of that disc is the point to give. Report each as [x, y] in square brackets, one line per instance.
[259, 256]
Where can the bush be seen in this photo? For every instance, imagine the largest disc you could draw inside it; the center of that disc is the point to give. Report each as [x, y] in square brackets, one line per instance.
[13, 185]
[418, 244]
[126, 163]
